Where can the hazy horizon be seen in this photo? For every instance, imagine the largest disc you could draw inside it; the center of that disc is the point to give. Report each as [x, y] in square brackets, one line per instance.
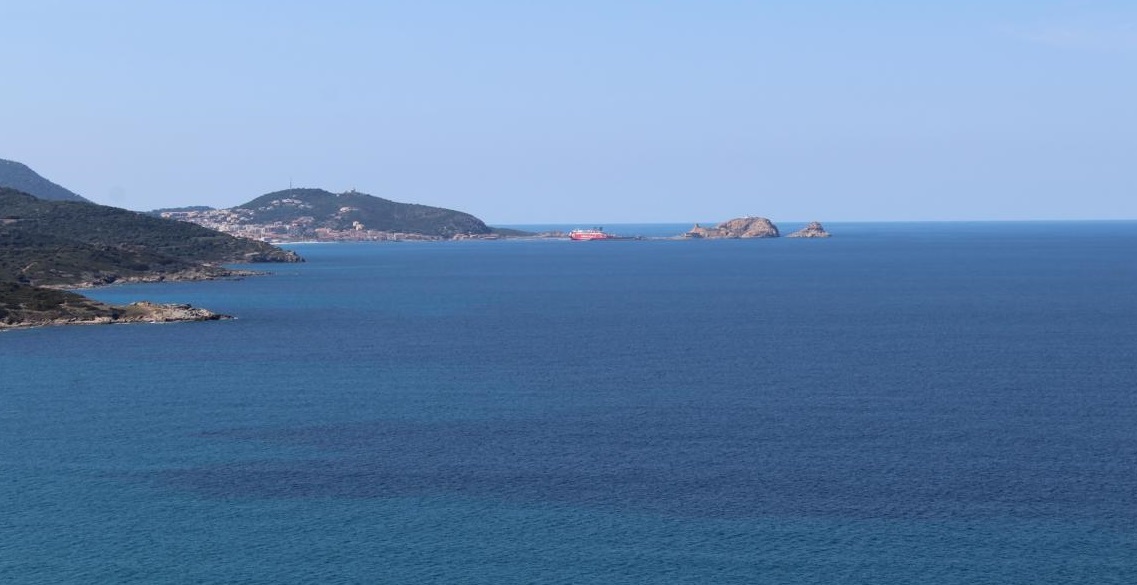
[591, 112]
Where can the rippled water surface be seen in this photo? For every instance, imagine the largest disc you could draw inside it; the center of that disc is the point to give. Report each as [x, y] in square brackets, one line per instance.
[947, 403]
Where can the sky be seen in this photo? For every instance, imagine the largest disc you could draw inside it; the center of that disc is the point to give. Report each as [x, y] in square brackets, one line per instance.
[586, 111]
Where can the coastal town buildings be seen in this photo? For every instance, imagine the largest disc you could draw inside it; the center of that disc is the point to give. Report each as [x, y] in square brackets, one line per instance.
[239, 222]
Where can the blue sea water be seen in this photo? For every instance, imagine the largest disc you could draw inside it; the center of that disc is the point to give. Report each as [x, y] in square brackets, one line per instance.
[941, 403]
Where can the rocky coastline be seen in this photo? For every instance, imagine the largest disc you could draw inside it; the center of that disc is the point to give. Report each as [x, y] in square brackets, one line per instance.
[194, 274]
[52, 248]
[78, 310]
[54, 304]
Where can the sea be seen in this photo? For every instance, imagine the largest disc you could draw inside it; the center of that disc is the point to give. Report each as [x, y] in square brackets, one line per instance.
[950, 403]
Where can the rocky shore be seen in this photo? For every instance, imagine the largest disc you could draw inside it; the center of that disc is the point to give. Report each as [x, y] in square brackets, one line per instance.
[52, 247]
[78, 310]
[147, 312]
[189, 275]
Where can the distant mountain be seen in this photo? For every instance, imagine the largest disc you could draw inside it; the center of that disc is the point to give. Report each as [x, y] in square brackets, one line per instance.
[18, 176]
[72, 243]
[159, 212]
[345, 211]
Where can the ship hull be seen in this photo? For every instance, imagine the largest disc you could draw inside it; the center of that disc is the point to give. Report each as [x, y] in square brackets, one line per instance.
[586, 235]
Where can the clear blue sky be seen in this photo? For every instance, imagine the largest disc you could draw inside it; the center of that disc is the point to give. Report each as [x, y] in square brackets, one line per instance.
[586, 111]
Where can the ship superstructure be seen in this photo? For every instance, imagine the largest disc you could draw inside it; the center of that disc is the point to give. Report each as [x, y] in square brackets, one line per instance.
[595, 233]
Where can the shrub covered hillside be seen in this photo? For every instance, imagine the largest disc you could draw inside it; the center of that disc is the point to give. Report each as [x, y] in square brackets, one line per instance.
[62, 242]
[341, 210]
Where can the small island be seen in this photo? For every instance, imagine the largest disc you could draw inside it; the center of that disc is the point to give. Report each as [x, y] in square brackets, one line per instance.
[752, 227]
[813, 230]
[742, 227]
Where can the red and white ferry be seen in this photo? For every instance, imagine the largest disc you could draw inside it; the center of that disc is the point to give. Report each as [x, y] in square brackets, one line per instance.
[589, 234]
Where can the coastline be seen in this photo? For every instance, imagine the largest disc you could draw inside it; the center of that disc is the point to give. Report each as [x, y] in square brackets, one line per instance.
[137, 312]
[65, 306]
[190, 275]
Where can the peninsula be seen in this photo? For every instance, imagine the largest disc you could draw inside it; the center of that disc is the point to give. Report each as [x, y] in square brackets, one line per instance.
[317, 215]
[29, 306]
[51, 245]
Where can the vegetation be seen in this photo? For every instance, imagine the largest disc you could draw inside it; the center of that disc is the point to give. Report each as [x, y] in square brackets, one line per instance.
[61, 243]
[47, 259]
[21, 303]
[99, 225]
[341, 211]
[159, 212]
[18, 176]
[510, 232]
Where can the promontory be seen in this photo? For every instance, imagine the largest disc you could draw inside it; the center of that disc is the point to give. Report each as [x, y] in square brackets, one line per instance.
[318, 215]
[50, 245]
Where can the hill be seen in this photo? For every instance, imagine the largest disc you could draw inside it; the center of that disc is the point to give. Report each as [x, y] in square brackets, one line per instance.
[18, 176]
[71, 243]
[359, 211]
[159, 212]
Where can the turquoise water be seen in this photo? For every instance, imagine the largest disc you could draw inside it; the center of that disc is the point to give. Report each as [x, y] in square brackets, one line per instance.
[948, 403]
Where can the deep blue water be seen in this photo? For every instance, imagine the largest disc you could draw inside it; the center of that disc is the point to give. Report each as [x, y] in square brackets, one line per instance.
[940, 403]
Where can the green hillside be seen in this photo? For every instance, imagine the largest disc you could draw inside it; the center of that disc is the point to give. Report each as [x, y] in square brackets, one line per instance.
[60, 242]
[64, 243]
[18, 176]
[21, 303]
[341, 211]
[47, 259]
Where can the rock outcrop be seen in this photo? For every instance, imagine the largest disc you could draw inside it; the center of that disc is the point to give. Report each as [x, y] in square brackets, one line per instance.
[77, 310]
[742, 227]
[813, 230]
[147, 312]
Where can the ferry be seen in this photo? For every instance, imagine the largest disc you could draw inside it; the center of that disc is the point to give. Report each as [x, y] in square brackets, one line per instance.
[589, 234]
